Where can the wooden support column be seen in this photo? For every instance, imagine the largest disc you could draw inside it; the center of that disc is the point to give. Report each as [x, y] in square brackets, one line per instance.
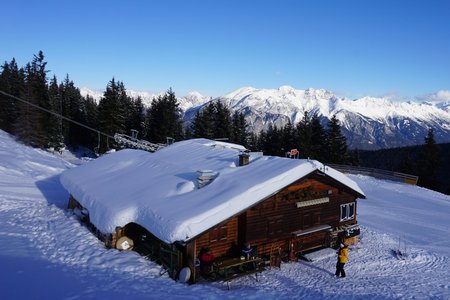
[190, 259]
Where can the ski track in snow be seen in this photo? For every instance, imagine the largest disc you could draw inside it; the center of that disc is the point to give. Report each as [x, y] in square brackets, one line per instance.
[32, 225]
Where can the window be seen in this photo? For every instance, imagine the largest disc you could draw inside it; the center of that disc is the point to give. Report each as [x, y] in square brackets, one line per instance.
[274, 226]
[347, 211]
[218, 234]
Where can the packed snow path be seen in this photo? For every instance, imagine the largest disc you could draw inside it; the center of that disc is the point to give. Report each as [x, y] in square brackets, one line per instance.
[46, 253]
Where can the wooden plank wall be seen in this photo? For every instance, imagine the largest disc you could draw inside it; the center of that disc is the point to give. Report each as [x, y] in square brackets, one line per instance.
[270, 224]
[221, 247]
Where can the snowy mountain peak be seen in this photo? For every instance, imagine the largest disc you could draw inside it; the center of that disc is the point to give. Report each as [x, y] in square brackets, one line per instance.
[96, 94]
[241, 92]
[192, 99]
[147, 97]
[193, 95]
[286, 89]
[367, 122]
[440, 99]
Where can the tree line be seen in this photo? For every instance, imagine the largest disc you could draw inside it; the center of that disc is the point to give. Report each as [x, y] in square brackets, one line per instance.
[309, 138]
[116, 112]
[428, 161]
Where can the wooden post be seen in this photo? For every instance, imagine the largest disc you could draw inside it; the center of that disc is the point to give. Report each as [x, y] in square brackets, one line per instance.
[191, 250]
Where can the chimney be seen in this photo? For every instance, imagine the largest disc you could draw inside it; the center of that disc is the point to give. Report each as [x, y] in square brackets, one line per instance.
[244, 158]
[205, 177]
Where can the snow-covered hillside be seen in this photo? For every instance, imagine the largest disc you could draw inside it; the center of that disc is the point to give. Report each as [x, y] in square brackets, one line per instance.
[46, 254]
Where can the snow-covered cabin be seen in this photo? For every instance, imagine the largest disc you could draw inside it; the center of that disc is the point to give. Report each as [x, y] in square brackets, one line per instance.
[203, 193]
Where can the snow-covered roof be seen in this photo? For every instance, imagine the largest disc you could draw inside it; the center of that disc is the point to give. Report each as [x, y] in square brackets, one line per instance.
[160, 192]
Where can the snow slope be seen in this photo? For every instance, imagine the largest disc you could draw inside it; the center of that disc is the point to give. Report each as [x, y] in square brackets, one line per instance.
[46, 254]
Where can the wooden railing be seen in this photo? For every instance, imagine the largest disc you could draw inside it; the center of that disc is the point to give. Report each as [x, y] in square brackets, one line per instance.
[377, 173]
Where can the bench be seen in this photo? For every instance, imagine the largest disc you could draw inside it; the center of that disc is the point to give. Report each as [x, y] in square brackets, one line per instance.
[233, 268]
[237, 275]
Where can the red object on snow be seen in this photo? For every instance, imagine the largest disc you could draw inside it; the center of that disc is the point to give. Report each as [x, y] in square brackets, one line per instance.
[207, 258]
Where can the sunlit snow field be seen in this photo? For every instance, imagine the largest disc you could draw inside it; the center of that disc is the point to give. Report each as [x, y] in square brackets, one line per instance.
[45, 253]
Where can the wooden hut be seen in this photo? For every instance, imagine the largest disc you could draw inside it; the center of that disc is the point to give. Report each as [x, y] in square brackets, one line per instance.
[194, 194]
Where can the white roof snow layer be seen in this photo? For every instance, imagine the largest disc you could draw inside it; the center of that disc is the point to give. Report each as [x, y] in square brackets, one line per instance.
[159, 190]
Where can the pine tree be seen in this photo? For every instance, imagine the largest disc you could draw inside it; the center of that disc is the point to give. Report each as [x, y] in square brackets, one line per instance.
[261, 142]
[272, 144]
[136, 115]
[163, 119]
[253, 142]
[198, 127]
[304, 136]
[12, 82]
[32, 125]
[55, 136]
[318, 139]
[336, 143]
[127, 107]
[288, 137]
[222, 121]
[214, 121]
[428, 161]
[6, 103]
[203, 123]
[73, 107]
[92, 138]
[112, 113]
[239, 134]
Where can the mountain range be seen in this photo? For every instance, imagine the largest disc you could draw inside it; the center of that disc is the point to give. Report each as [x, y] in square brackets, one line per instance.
[367, 122]
[192, 99]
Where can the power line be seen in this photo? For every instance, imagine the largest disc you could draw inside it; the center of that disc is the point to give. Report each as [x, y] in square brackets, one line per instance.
[56, 114]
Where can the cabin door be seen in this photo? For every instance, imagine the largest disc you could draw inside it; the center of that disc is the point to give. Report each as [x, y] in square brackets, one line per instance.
[242, 230]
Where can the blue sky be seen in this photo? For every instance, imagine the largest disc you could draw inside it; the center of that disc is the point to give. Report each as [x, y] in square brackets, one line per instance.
[354, 48]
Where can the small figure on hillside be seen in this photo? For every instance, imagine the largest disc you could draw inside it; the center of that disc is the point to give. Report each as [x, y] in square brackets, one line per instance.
[342, 259]
[206, 261]
[248, 252]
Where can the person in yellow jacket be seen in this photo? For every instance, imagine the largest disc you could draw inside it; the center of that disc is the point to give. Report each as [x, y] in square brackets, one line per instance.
[342, 259]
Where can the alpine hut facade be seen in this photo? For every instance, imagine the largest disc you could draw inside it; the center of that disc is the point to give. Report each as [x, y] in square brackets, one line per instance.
[201, 193]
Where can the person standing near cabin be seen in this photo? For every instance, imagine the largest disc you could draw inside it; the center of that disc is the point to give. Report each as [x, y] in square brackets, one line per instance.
[248, 251]
[342, 260]
[206, 260]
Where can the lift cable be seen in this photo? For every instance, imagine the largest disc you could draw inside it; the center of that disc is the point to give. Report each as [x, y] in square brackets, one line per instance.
[56, 114]
[122, 139]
